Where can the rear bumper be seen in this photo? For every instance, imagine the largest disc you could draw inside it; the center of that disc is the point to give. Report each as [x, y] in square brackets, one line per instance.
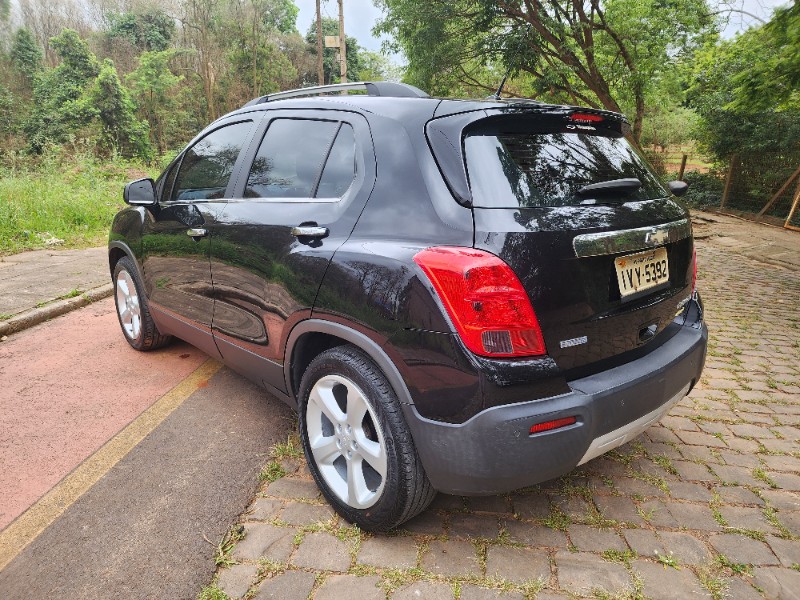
[493, 451]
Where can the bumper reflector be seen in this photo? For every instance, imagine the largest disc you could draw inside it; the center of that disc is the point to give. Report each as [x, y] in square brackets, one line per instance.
[555, 424]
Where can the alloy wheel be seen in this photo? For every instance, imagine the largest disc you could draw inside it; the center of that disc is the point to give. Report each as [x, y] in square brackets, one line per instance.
[346, 441]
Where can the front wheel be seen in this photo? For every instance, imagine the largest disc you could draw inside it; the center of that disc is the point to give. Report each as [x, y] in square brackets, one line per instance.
[134, 315]
[357, 443]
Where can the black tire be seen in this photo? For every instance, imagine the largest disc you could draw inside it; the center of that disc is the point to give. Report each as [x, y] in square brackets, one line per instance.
[146, 336]
[405, 490]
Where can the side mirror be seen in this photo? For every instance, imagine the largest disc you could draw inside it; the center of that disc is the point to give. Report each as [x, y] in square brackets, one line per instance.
[678, 188]
[141, 192]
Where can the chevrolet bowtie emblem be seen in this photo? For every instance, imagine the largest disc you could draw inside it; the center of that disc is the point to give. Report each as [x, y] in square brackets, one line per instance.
[656, 237]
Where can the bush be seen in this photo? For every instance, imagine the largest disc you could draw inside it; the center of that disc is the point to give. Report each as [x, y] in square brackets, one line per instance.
[705, 189]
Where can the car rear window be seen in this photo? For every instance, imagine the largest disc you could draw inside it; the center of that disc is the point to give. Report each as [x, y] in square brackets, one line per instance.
[509, 169]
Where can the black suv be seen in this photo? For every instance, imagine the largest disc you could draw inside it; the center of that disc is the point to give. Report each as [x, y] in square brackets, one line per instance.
[462, 296]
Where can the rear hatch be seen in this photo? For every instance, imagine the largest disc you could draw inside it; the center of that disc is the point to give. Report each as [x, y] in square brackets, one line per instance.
[603, 252]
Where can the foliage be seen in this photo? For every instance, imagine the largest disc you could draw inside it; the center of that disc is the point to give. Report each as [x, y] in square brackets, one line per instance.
[6, 111]
[26, 55]
[71, 198]
[376, 67]
[57, 112]
[330, 62]
[606, 53]
[110, 104]
[278, 15]
[254, 31]
[148, 31]
[726, 126]
[773, 81]
[82, 97]
[705, 189]
[153, 84]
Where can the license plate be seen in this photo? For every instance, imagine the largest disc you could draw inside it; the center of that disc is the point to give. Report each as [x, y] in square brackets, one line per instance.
[642, 271]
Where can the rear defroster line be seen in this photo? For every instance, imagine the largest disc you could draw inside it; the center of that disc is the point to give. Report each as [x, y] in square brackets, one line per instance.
[30, 524]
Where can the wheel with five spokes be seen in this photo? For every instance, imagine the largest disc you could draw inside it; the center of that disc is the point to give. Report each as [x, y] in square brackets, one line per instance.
[134, 315]
[357, 443]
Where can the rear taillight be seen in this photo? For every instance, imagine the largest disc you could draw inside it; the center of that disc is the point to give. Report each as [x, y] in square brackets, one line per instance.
[694, 270]
[485, 301]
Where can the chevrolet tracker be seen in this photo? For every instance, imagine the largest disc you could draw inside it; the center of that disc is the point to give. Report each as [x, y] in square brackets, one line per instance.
[459, 296]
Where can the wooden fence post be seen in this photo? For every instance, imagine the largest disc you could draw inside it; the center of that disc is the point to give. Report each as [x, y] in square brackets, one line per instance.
[795, 202]
[777, 195]
[728, 179]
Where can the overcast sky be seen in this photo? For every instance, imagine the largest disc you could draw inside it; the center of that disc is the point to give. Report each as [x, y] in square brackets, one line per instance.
[359, 18]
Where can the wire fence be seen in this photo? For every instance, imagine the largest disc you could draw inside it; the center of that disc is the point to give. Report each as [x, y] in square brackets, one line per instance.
[764, 186]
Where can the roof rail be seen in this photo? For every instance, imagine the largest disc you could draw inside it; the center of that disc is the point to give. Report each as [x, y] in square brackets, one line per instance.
[373, 88]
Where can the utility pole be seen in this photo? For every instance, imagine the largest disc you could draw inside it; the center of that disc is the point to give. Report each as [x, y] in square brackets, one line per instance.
[342, 45]
[320, 71]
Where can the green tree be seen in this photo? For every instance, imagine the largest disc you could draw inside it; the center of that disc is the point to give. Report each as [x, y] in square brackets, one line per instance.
[153, 84]
[56, 112]
[82, 97]
[728, 126]
[773, 81]
[106, 102]
[149, 31]
[330, 62]
[603, 53]
[251, 32]
[376, 67]
[279, 15]
[26, 55]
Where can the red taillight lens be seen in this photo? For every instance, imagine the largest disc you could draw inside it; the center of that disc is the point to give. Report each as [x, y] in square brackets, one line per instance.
[694, 270]
[555, 424]
[485, 301]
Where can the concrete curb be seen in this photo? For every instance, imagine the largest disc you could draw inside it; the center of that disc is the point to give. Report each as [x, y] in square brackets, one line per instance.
[35, 316]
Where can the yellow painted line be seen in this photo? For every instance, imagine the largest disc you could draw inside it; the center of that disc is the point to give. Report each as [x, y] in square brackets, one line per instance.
[27, 527]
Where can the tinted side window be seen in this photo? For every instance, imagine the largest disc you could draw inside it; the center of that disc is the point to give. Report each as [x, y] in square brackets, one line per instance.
[340, 170]
[290, 158]
[207, 166]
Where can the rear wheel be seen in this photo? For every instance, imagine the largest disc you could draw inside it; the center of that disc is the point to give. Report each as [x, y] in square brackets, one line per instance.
[134, 316]
[357, 443]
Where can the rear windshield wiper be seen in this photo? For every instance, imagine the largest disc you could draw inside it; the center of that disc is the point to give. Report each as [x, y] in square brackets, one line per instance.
[615, 187]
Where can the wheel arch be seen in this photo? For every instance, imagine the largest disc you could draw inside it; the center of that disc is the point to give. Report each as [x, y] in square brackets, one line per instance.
[311, 337]
[117, 250]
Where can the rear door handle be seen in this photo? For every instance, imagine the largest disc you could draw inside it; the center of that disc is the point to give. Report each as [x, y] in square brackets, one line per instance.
[310, 231]
[197, 232]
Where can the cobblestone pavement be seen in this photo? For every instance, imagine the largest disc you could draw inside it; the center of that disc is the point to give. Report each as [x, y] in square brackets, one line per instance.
[706, 504]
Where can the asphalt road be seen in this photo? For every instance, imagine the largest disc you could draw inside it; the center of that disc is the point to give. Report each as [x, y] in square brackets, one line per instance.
[152, 511]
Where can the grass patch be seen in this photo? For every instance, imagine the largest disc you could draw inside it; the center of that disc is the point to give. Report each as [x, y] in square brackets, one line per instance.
[761, 474]
[738, 568]
[222, 554]
[212, 592]
[291, 448]
[272, 472]
[557, 520]
[68, 202]
[667, 560]
[618, 556]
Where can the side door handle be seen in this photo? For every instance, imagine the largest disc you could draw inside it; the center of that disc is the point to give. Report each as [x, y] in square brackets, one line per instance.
[197, 232]
[310, 231]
